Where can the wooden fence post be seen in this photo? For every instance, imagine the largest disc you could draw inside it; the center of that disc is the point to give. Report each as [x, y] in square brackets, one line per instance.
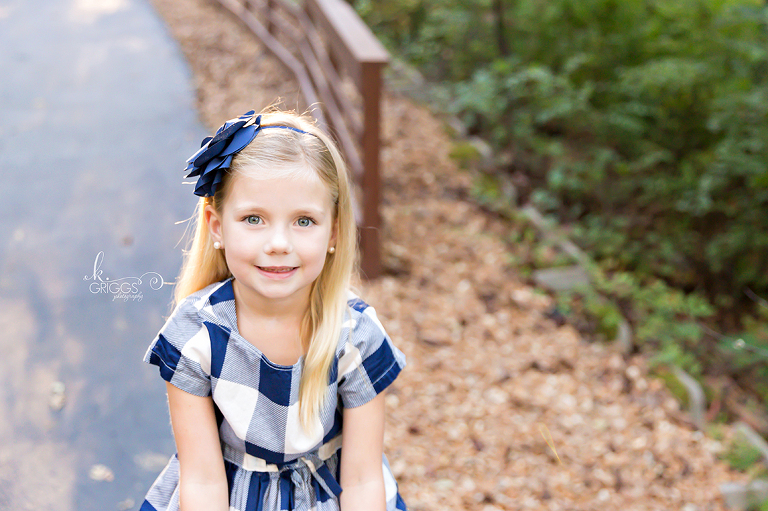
[370, 238]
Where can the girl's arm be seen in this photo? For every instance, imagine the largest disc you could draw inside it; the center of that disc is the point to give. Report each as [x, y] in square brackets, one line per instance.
[203, 482]
[362, 479]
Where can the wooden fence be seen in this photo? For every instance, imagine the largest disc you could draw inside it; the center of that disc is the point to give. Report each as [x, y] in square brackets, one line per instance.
[337, 62]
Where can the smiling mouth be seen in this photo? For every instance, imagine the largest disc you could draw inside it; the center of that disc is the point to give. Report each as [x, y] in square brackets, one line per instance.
[277, 269]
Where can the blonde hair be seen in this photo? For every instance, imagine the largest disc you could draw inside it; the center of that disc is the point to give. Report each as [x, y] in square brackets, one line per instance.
[274, 150]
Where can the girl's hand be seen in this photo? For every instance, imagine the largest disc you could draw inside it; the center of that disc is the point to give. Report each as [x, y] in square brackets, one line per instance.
[203, 482]
[362, 479]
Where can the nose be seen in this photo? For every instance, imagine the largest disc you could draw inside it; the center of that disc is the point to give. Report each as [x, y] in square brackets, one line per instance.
[278, 242]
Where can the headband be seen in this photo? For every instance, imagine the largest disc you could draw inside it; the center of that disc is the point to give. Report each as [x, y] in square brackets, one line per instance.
[215, 154]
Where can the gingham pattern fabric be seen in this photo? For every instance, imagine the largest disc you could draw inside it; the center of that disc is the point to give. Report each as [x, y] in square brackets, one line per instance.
[270, 461]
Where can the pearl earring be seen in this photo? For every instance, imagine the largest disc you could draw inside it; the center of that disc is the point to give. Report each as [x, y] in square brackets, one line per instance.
[332, 250]
[216, 245]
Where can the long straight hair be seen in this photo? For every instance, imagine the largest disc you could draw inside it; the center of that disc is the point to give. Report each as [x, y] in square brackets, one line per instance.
[274, 152]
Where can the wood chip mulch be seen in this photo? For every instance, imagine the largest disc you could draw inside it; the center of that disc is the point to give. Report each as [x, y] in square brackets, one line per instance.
[499, 407]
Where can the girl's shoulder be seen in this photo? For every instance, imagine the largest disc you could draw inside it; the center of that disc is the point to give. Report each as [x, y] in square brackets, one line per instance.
[358, 308]
[368, 360]
[182, 348]
[211, 294]
[361, 323]
[191, 310]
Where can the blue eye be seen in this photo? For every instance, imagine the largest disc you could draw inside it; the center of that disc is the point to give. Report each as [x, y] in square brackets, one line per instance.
[253, 219]
[305, 222]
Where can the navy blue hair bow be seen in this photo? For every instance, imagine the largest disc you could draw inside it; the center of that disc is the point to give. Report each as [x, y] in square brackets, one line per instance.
[216, 153]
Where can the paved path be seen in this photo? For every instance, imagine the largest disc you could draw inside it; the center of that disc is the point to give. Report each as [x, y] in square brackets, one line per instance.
[96, 119]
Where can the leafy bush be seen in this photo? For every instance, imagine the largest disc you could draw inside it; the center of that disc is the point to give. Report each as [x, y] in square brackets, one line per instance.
[643, 124]
[748, 354]
[666, 320]
[647, 124]
[446, 39]
[742, 455]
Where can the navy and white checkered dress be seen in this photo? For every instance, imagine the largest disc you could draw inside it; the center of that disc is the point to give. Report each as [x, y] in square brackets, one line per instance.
[270, 461]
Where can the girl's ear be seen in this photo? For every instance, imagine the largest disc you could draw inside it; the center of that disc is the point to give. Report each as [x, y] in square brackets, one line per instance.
[334, 233]
[213, 221]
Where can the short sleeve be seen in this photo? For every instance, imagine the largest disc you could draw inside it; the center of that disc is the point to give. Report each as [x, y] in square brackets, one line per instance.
[182, 351]
[369, 361]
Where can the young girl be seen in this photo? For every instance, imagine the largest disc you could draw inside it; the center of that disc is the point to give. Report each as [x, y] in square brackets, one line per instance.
[267, 355]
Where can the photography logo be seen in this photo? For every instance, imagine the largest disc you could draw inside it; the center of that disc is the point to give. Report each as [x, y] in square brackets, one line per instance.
[126, 288]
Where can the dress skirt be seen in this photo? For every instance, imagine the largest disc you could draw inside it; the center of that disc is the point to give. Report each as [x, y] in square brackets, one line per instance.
[306, 484]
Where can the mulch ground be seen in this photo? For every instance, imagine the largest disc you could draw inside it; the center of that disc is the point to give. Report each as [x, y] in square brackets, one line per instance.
[499, 407]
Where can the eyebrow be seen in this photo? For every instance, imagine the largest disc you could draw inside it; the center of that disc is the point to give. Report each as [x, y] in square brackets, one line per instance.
[301, 211]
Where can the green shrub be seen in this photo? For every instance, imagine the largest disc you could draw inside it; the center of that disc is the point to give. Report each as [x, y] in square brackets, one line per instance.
[643, 124]
[748, 356]
[647, 125]
[464, 153]
[741, 454]
[666, 321]
[446, 39]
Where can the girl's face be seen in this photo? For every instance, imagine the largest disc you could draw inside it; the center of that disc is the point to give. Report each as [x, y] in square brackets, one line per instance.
[275, 233]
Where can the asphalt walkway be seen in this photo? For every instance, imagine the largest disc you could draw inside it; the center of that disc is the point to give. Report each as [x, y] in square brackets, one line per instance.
[96, 119]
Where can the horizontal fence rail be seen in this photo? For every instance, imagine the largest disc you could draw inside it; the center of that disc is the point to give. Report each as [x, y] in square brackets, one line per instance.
[337, 62]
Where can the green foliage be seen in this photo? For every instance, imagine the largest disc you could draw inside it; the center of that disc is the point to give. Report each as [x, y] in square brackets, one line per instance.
[487, 190]
[447, 39]
[672, 383]
[643, 124]
[464, 153]
[644, 121]
[716, 432]
[741, 454]
[664, 319]
[647, 124]
[748, 355]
